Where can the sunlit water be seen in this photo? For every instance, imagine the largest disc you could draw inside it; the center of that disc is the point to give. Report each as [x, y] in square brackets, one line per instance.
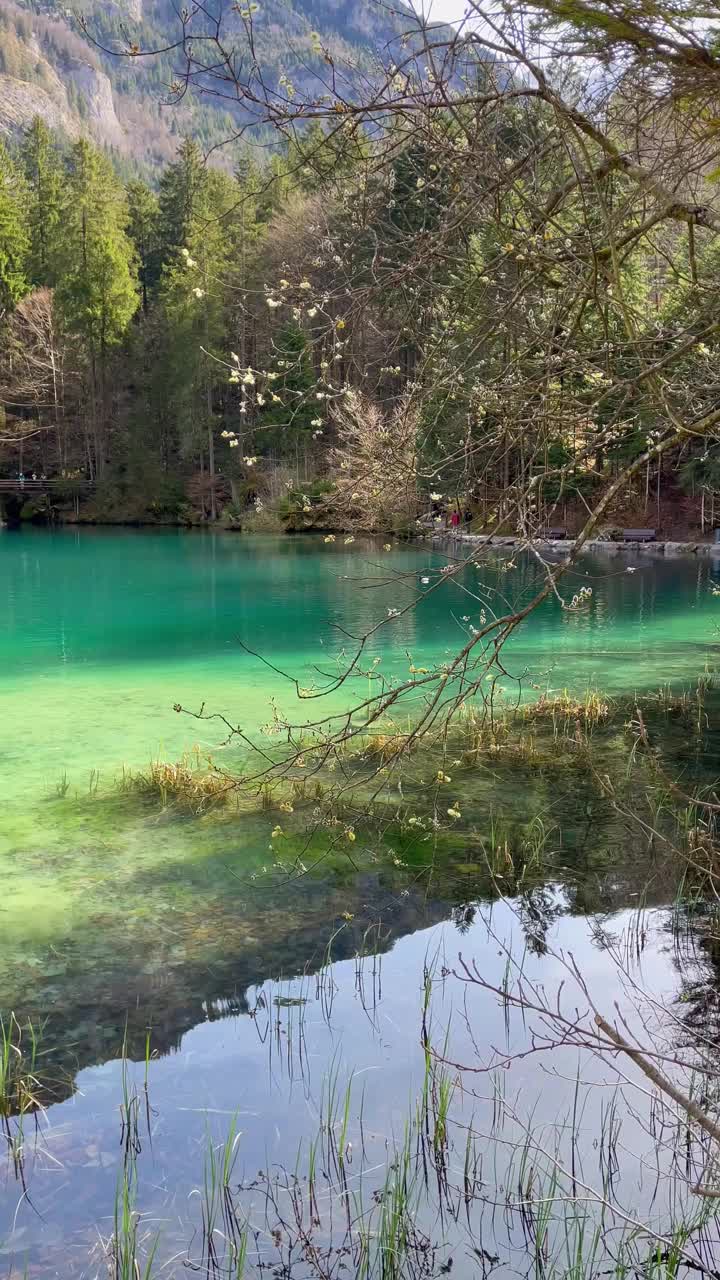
[118, 917]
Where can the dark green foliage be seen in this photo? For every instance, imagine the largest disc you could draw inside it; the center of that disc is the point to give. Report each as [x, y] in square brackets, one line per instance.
[181, 192]
[285, 426]
[144, 231]
[14, 238]
[94, 261]
[43, 173]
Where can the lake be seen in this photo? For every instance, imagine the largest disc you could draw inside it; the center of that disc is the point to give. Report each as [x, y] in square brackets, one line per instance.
[131, 930]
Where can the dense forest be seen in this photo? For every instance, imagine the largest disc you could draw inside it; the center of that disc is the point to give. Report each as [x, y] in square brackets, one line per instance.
[370, 321]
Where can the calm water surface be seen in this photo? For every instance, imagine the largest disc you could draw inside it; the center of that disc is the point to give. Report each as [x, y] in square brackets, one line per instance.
[117, 917]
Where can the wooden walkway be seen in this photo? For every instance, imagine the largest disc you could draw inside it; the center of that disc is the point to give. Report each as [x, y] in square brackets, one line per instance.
[25, 486]
[36, 486]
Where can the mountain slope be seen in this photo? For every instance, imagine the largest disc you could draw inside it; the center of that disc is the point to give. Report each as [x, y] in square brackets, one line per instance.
[50, 67]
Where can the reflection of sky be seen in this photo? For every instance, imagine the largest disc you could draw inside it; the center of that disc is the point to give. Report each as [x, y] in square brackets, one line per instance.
[271, 1073]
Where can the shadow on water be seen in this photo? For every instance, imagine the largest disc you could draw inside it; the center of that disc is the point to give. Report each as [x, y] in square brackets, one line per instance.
[179, 939]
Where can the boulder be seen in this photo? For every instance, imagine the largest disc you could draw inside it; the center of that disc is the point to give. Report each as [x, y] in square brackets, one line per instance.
[681, 548]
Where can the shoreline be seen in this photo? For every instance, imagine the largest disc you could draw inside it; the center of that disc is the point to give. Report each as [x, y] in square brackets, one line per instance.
[566, 545]
[501, 542]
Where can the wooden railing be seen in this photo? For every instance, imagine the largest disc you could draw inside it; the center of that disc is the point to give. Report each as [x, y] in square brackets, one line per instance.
[25, 486]
[37, 486]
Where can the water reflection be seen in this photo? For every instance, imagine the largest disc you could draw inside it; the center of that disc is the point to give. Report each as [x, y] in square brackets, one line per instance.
[119, 920]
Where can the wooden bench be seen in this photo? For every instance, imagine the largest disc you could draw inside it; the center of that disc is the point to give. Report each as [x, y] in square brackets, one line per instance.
[638, 535]
[558, 534]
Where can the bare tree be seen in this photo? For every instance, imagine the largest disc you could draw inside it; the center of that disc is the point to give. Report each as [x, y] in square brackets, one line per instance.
[38, 376]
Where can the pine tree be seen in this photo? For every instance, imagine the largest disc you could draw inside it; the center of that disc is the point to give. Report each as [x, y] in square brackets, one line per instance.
[195, 295]
[288, 422]
[43, 174]
[318, 156]
[95, 271]
[14, 242]
[181, 191]
[273, 188]
[245, 231]
[143, 229]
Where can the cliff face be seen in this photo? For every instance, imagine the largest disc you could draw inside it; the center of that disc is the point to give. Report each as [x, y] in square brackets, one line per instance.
[20, 101]
[83, 104]
[49, 66]
[47, 69]
[93, 89]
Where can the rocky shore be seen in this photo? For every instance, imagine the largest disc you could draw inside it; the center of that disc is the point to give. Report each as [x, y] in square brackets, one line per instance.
[566, 545]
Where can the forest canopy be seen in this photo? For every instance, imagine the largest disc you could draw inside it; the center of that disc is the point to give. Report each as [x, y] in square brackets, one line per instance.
[481, 277]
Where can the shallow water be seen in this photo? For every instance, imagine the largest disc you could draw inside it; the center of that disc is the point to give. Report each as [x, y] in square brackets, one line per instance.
[117, 917]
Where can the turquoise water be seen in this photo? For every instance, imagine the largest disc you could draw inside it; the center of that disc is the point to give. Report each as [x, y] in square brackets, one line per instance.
[118, 917]
[103, 632]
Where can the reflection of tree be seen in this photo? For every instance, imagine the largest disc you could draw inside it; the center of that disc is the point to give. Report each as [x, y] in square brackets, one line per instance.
[204, 939]
[696, 953]
[537, 910]
[463, 916]
[113, 991]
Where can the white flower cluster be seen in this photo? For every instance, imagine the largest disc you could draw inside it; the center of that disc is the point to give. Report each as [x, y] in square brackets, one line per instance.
[582, 597]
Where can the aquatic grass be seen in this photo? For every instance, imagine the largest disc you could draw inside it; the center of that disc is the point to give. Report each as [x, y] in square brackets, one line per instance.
[191, 785]
[386, 746]
[394, 1234]
[18, 1060]
[62, 786]
[19, 1084]
[396, 1216]
[335, 1106]
[588, 710]
[130, 1255]
[20, 1088]
[224, 1234]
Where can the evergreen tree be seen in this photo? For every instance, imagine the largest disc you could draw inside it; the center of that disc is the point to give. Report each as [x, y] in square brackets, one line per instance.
[14, 240]
[195, 303]
[318, 156]
[289, 421]
[43, 174]
[182, 187]
[273, 188]
[143, 210]
[95, 271]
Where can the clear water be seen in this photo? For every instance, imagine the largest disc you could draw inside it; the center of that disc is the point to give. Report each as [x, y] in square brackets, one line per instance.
[117, 917]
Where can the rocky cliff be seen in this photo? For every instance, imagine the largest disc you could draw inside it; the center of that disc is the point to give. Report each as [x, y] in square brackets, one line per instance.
[57, 63]
[47, 69]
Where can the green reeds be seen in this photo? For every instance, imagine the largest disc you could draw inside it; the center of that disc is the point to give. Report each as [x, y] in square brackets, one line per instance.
[20, 1089]
[224, 1233]
[19, 1086]
[131, 1255]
